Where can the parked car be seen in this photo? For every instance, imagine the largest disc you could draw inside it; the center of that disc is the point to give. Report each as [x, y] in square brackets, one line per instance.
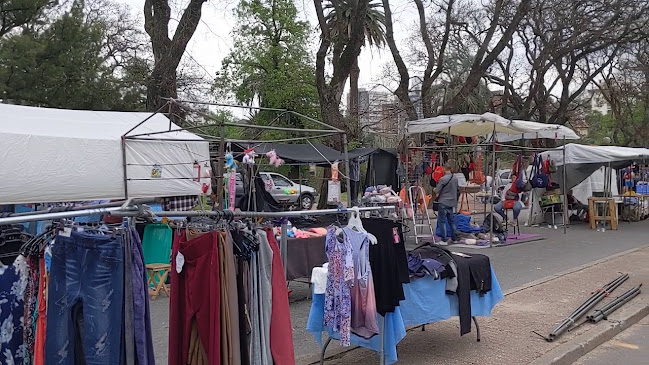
[276, 185]
[503, 178]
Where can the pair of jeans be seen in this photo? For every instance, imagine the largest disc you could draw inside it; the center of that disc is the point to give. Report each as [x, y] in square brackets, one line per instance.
[142, 312]
[87, 276]
[444, 218]
[195, 296]
[518, 206]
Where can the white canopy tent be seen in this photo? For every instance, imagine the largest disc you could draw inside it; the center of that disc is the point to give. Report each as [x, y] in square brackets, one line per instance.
[582, 160]
[584, 169]
[469, 125]
[465, 125]
[548, 131]
[53, 155]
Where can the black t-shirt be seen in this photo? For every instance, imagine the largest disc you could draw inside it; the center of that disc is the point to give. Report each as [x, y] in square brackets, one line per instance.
[388, 262]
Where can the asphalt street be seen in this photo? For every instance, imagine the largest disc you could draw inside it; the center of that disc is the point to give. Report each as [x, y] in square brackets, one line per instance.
[514, 265]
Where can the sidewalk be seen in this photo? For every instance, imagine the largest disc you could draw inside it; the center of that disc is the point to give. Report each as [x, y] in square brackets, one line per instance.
[507, 336]
[630, 347]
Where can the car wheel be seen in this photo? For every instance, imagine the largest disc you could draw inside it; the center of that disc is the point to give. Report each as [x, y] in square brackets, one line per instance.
[306, 201]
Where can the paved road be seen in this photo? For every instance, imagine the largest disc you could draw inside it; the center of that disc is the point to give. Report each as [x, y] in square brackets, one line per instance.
[515, 266]
[630, 347]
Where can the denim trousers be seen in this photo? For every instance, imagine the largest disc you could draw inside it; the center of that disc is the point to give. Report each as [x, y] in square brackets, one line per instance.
[444, 215]
[86, 277]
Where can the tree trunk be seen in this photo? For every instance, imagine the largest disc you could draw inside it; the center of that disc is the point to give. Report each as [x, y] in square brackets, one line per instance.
[162, 84]
[354, 114]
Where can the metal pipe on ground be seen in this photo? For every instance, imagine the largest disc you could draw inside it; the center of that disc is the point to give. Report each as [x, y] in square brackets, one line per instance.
[585, 307]
[613, 305]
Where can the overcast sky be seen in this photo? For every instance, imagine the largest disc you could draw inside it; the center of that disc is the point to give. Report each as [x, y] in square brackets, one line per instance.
[212, 40]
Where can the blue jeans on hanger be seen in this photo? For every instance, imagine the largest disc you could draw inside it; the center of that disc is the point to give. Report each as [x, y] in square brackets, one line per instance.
[444, 218]
[87, 274]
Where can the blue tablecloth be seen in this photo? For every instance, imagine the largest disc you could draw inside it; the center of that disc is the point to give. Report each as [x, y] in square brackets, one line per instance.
[426, 302]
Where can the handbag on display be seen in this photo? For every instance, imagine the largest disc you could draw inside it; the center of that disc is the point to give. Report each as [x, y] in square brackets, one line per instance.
[551, 166]
[539, 178]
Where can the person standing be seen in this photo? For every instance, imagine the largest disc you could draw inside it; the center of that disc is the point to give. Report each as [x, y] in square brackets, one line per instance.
[447, 197]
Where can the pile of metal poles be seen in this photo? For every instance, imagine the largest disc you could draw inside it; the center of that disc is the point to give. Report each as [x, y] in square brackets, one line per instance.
[613, 305]
[586, 306]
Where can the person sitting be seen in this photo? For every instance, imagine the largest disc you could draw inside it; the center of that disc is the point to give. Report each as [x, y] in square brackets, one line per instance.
[575, 205]
[509, 200]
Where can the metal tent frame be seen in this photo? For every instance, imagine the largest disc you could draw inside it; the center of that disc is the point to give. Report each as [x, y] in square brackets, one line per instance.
[306, 135]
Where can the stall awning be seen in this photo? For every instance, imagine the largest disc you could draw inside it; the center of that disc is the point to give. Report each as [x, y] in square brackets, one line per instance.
[466, 125]
[603, 155]
[470, 125]
[314, 153]
[582, 161]
[541, 131]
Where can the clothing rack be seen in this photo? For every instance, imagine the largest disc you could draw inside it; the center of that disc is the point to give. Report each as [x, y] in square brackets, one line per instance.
[129, 209]
[284, 226]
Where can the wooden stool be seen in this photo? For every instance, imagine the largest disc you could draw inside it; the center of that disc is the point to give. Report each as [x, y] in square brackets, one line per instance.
[610, 212]
[157, 274]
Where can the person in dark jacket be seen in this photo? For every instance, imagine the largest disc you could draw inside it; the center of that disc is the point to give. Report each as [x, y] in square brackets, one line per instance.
[447, 192]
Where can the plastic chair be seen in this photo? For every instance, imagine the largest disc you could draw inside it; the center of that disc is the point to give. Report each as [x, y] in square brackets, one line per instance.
[156, 246]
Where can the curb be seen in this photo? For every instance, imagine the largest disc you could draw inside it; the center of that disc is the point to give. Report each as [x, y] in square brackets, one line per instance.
[574, 349]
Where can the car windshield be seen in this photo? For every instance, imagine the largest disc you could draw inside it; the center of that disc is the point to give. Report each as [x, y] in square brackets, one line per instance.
[280, 181]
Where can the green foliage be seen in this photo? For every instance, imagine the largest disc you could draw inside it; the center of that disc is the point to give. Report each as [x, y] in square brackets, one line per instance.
[70, 63]
[339, 18]
[19, 13]
[270, 64]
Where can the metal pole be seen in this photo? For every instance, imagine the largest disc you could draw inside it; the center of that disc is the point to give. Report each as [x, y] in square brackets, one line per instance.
[125, 174]
[82, 207]
[493, 185]
[565, 190]
[347, 179]
[284, 246]
[219, 169]
[294, 213]
[382, 353]
[60, 215]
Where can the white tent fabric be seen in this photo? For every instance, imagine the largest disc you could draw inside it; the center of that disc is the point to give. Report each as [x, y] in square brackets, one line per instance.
[469, 125]
[582, 154]
[53, 155]
[595, 184]
[547, 131]
[466, 125]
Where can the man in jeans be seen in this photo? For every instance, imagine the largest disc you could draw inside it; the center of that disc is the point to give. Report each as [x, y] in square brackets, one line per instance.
[447, 192]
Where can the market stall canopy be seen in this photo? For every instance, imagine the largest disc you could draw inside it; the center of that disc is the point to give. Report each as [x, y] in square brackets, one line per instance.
[582, 161]
[54, 155]
[467, 125]
[314, 153]
[541, 131]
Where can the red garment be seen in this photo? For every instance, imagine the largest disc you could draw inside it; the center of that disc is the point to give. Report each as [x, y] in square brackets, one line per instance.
[39, 346]
[195, 294]
[281, 331]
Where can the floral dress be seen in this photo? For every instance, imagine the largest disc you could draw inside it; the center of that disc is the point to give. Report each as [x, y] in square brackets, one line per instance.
[13, 280]
[340, 278]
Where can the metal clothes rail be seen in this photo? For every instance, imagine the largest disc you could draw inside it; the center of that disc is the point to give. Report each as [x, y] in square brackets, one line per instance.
[129, 209]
